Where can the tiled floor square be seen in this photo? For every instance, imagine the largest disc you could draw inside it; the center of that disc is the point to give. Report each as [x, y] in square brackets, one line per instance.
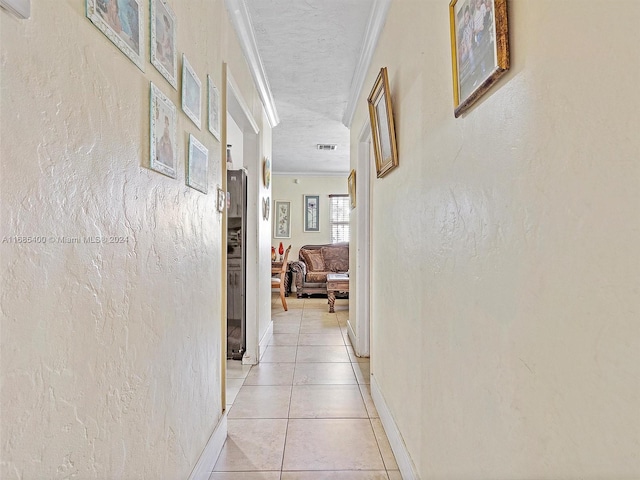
[265, 401]
[331, 444]
[233, 387]
[235, 369]
[344, 475]
[322, 353]
[279, 353]
[284, 339]
[252, 445]
[320, 339]
[245, 476]
[286, 327]
[271, 374]
[320, 326]
[327, 401]
[324, 374]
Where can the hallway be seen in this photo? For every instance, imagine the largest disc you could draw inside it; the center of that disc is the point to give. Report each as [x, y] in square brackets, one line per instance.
[305, 412]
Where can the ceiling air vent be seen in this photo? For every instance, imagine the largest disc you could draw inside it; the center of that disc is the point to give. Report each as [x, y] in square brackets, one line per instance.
[327, 146]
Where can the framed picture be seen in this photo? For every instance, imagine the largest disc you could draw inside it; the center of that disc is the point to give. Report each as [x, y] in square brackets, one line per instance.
[311, 213]
[266, 206]
[213, 104]
[383, 131]
[352, 188]
[222, 199]
[191, 92]
[121, 21]
[197, 169]
[163, 133]
[282, 224]
[479, 48]
[164, 55]
[266, 172]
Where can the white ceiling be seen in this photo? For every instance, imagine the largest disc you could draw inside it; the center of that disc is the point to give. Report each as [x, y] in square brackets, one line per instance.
[310, 50]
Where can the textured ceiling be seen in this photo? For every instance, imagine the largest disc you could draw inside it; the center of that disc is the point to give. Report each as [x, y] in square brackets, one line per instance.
[310, 49]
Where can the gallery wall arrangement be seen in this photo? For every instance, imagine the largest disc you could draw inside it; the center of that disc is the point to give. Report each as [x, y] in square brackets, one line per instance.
[124, 25]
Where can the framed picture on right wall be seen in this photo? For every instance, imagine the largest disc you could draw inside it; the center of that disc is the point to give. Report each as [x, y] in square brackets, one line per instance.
[479, 48]
[383, 131]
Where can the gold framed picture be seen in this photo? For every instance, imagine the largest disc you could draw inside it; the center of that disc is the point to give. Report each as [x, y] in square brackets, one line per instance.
[479, 48]
[266, 172]
[352, 188]
[382, 128]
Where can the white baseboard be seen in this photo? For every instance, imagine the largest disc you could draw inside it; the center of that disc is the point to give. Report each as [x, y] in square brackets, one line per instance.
[352, 335]
[266, 339]
[211, 452]
[405, 464]
[248, 358]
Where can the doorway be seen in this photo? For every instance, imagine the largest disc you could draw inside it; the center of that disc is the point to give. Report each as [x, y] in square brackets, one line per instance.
[257, 298]
[359, 324]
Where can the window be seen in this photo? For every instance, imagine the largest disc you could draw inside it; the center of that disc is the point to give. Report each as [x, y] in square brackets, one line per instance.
[339, 218]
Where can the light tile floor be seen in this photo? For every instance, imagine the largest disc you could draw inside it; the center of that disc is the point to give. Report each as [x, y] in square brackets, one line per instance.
[305, 412]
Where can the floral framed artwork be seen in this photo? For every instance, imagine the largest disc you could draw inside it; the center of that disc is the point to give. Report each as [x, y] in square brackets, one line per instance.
[383, 130]
[191, 92]
[197, 167]
[213, 104]
[311, 213]
[352, 188]
[282, 223]
[163, 145]
[122, 23]
[164, 54]
[479, 48]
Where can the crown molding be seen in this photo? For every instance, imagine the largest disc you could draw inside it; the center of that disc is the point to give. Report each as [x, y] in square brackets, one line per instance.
[375, 25]
[20, 8]
[241, 21]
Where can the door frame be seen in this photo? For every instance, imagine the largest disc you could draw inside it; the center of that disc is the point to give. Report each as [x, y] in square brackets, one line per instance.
[238, 109]
[360, 335]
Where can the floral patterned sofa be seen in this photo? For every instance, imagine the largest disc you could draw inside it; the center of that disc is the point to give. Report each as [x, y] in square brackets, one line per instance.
[313, 265]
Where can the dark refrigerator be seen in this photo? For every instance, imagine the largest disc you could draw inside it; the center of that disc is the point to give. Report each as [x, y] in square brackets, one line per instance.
[236, 263]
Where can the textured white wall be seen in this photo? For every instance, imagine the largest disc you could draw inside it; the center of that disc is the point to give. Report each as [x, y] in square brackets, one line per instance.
[110, 353]
[506, 339]
[285, 189]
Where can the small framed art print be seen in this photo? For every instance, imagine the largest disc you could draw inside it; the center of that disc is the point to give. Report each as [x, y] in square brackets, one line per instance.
[312, 213]
[122, 23]
[197, 168]
[163, 133]
[163, 41]
[282, 223]
[191, 92]
[213, 104]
